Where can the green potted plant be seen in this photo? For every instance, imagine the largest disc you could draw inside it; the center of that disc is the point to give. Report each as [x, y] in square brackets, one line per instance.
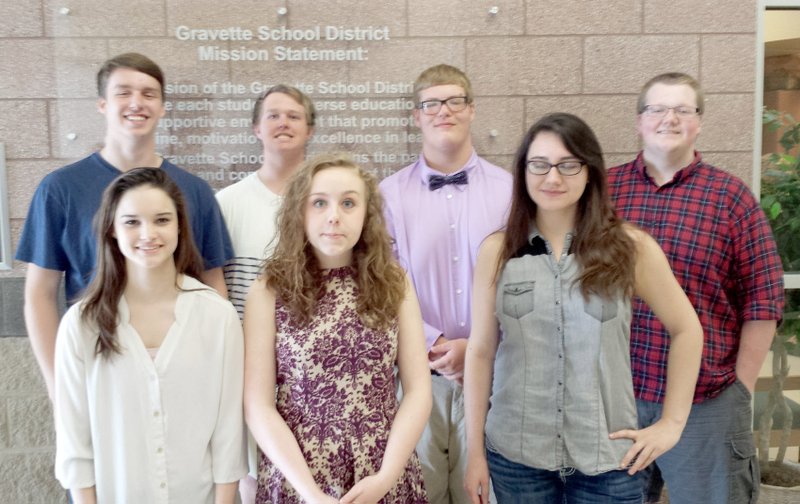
[780, 199]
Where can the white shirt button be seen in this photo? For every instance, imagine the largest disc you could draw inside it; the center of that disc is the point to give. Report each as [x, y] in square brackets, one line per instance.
[462, 324]
[452, 226]
[449, 196]
[455, 258]
[459, 291]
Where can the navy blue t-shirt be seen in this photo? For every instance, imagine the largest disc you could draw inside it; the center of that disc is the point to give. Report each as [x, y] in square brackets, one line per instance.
[58, 232]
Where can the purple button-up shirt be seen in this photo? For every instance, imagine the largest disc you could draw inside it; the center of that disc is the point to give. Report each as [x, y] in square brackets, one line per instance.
[437, 235]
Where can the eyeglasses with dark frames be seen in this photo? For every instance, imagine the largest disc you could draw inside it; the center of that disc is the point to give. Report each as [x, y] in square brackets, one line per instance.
[433, 106]
[661, 110]
[565, 168]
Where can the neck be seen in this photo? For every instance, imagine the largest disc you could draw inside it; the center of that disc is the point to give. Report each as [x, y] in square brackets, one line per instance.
[151, 285]
[554, 226]
[127, 156]
[450, 160]
[662, 166]
[278, 169]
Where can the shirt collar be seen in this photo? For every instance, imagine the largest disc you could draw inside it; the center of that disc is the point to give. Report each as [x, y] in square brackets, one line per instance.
[534, 234]
[640, 167]
[426, 171]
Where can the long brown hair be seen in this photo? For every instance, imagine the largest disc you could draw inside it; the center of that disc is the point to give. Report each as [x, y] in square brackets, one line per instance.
[601, 245]
[294, 272]
[101, 302]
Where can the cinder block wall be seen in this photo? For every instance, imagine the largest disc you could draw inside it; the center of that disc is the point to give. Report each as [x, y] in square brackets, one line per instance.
[525, 58]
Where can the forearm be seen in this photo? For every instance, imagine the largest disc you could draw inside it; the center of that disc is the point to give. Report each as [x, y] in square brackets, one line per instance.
[754, 343]
[41, 322]
[432, 335]
[278, 443]
[477, 389]
[215, 278]
[83, 495]
[683, 366]
[406, 430]
[225, 493]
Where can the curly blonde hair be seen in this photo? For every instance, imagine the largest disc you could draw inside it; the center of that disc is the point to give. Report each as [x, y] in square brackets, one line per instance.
[294, 273]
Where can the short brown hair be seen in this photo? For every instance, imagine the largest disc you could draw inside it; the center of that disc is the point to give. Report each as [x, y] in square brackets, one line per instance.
[672, 79]
[291, 91]
[442, 75]
[134, 61]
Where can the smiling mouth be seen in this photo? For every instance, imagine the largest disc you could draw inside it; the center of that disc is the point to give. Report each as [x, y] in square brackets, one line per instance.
[135, 117]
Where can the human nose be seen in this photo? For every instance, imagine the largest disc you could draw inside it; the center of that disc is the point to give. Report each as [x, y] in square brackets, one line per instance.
[554, 175]
[670, 115]
[283, 121]
[146, 231]
[333, 214]
[444, 109]
[135, 101]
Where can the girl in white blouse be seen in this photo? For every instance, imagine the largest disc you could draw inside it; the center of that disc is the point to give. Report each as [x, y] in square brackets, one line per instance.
[148, 396]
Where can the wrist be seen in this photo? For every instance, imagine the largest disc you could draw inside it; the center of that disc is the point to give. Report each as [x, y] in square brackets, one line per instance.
[673, 422]
[385, 479]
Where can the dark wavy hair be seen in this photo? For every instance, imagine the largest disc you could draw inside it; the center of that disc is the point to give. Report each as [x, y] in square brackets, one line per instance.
[101, 301]
[294, 272]
[601, 245]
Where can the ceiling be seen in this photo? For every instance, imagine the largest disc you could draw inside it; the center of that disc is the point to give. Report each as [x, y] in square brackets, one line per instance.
[781, 32]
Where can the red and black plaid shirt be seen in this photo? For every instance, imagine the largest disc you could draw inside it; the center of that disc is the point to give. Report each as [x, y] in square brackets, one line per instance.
[721, 249]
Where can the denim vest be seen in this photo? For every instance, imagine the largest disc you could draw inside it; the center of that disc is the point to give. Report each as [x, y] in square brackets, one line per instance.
[562, 375]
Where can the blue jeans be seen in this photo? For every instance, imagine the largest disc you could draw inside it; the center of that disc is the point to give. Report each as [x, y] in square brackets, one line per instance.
[715, 460]
[520, 484]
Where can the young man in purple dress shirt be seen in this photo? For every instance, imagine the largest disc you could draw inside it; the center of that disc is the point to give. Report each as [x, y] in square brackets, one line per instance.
[439, 210]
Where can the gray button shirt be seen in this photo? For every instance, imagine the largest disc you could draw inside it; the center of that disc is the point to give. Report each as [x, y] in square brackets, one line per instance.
[562, 375]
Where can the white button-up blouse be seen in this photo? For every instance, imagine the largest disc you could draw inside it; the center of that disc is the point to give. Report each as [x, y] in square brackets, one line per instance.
[161, 430]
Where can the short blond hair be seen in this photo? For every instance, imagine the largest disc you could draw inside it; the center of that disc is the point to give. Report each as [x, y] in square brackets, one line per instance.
[672, 79]
[442, 75]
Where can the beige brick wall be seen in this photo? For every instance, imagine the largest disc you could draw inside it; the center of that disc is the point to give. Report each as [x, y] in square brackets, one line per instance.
[525, 58]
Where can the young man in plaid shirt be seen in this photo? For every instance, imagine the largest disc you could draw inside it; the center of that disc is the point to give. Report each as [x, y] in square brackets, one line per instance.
[721, 249]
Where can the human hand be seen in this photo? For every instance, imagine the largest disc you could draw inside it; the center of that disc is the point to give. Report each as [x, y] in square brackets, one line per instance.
[324, 499]
[447, 358]
[648, 444]
[476, 480]
[367, 491]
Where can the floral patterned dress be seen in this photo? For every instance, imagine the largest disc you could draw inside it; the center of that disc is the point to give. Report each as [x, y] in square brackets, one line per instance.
[336, 391]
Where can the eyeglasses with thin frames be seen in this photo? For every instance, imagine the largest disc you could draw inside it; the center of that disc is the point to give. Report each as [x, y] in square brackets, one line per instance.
[433, 106]
[565, 168]
[661, 110]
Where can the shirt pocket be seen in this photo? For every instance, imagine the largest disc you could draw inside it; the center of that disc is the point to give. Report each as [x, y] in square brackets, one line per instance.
[600, 309]
[518, 299]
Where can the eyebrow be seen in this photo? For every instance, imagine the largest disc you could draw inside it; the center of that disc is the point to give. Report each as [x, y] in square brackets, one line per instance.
[545, 158]
[328, 194]
[144, 89]
[278, 109]
[159, 214]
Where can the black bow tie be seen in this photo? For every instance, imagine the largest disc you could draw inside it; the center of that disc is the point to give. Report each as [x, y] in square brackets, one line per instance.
[438, 181]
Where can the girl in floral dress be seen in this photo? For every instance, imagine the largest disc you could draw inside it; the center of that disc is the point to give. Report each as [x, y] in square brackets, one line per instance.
[330, 318]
